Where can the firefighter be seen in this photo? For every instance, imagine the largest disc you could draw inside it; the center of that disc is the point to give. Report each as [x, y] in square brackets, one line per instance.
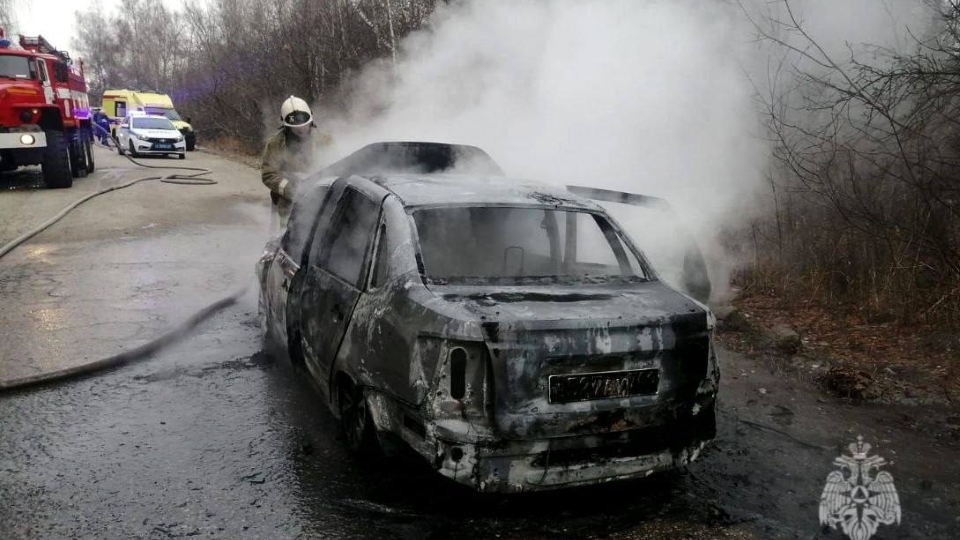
[289, 154]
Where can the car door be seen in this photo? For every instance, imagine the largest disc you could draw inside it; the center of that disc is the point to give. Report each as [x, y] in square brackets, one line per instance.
[123, 132]
[285, 264]
[280, 274]
[333, 280]
[48, 93]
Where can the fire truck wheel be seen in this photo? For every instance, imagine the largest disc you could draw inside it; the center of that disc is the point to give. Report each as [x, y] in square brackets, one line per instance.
[78, 157]
[88, 151]
[56, 161]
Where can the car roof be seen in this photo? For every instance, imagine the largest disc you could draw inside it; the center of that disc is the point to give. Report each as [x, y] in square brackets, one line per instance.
[469, 190]
[441, 174]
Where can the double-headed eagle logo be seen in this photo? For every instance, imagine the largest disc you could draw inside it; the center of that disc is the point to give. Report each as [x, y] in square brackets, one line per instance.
[854, 499]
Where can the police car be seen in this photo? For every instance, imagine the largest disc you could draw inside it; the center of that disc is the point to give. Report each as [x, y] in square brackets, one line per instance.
[143, 134]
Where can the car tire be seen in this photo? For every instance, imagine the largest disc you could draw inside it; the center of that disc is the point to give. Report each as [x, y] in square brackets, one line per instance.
[294, 349]
[355, 424]
[133, 153]
[182, 156]
[88, 151]
[267, 342]
[56, 161]
[78, 156]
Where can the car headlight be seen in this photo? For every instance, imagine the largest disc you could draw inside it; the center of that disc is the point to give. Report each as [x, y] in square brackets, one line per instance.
[180, 138]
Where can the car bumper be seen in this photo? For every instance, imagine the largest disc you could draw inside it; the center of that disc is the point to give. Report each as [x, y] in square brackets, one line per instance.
[538, 465]
[15, 141]
[151, 148]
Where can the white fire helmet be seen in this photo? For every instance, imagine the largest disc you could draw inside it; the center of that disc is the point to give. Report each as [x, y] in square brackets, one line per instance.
[295, 112]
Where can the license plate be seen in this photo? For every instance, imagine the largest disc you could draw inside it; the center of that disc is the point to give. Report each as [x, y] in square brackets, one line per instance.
[605, 385]
[163, 146]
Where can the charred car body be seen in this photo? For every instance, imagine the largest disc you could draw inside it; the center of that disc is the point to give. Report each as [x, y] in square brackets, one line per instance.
[510, 333]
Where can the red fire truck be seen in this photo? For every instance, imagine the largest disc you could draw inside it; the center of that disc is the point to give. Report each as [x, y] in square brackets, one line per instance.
[44, 111]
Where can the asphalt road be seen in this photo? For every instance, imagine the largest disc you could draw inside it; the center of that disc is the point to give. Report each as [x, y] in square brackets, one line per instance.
[212, 438]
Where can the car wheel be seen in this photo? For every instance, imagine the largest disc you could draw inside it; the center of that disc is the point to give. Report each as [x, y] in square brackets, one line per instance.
[358, 431]
[88, 150]
[56, 161]
[78, 155]
[263, 321]
[133, 153]
[294, 349]
[182, 156]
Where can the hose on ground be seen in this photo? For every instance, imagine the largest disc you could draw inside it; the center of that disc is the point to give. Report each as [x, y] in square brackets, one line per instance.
[141, 352]
[146, 350]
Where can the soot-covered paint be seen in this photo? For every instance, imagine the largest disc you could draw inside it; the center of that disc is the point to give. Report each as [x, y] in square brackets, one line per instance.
[505, 433]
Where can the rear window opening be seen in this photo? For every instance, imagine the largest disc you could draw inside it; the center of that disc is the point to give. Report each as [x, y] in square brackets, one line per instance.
[517, 244]
[169, 114]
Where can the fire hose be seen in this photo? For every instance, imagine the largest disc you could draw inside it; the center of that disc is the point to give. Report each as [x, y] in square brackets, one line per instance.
[148, 349]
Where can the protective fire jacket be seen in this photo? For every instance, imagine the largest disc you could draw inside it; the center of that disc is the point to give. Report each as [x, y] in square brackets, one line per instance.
[285, 159]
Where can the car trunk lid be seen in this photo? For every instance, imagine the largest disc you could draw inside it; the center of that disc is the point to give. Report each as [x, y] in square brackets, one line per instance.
[580, 361]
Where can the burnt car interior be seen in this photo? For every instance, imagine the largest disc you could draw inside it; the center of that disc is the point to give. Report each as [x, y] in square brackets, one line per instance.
[503, 244]
[658, 218]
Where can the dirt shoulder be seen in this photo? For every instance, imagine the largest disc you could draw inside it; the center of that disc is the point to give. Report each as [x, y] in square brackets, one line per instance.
[232, 151]
[844, 353]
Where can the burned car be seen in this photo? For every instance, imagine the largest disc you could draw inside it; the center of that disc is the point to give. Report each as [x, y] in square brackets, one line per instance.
[510, 333]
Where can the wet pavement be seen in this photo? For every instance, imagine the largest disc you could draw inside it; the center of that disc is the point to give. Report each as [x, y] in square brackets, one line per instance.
[213, 438]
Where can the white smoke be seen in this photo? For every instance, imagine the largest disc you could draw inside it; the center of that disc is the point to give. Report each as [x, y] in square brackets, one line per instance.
[645, 96]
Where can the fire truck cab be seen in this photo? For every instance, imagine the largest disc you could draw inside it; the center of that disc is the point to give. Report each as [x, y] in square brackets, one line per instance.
[44, 111]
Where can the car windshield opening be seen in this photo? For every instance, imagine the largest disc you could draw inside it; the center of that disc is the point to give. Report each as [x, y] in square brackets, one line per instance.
[169, 114]
[16, 67]
[519, 244]
[155, 122]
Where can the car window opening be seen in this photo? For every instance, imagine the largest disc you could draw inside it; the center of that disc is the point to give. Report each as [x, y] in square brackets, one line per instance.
[512, 243]
[169, 114]
[153, 122]
[16, 67]
[380, 263]
[348, 244]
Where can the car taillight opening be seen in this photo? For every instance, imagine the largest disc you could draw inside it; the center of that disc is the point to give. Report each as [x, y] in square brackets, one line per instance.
[458, 373]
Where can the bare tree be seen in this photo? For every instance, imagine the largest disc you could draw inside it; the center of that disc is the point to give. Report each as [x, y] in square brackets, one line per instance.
[7, 14]
[867, 173]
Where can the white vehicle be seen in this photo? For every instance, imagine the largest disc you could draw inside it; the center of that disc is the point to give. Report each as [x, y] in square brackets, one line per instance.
[141, 134]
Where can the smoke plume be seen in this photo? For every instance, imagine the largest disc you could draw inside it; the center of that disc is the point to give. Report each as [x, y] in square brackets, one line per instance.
[644, 96]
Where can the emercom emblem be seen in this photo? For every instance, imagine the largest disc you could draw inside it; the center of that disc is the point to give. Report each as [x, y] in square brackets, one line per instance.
[859, 496]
